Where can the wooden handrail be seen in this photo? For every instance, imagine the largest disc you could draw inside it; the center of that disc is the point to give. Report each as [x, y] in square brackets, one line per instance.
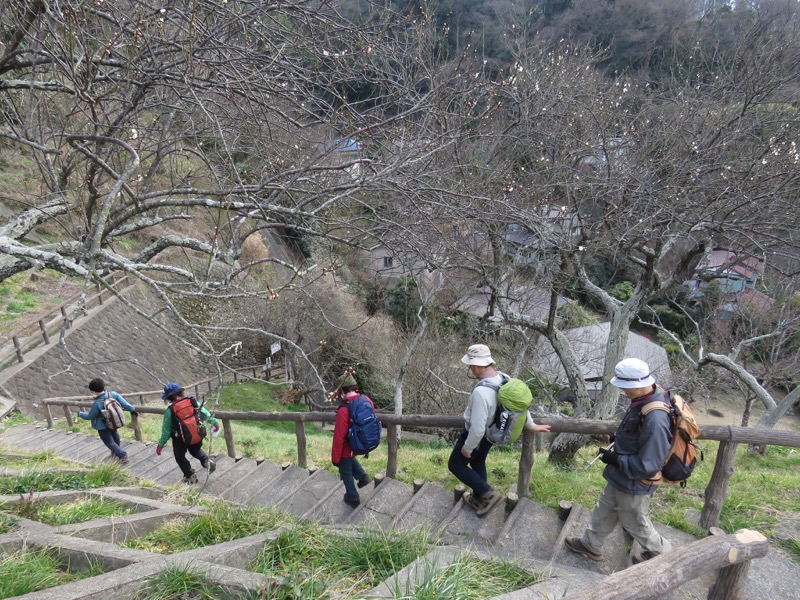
[655, 578]
[391, 422]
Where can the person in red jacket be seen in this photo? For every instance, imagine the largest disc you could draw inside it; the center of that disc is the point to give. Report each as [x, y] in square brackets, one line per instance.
[350, 470]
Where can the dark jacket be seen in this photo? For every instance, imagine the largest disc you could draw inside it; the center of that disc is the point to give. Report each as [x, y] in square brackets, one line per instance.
[642, 445]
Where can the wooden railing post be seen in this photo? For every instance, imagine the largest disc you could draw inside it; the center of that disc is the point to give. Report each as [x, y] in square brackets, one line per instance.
[137, 429]
[300, 434]
[99, 294]
[717, 488]
[226, 424]
[525, 464]
[48, 416]
[68, 416]
[18, 349]
[43, 327]
[391, 461]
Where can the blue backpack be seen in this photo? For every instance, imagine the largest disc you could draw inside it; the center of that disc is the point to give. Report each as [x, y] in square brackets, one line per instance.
[364, 433]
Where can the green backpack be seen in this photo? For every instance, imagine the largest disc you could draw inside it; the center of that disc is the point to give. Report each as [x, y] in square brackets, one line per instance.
[513, 400]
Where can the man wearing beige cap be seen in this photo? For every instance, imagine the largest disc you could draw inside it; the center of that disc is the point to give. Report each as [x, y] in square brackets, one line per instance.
[468, 458]
[641, 445]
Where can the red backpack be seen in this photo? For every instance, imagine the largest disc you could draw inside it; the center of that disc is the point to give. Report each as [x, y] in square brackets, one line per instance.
[187, 422]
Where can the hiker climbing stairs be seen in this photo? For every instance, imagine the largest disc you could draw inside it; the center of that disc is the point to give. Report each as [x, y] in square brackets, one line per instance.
[527, 532]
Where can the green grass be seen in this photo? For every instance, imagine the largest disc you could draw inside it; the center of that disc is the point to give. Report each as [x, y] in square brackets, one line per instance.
[45, 480]
[37, 460]
[467, 579]
[221, 522]
[28, 570]
[316, 563]
[18, 297]
[175, 583]
[7, 523]
[79, 511]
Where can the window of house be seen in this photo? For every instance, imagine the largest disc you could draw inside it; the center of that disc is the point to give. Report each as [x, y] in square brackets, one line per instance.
[387, 262]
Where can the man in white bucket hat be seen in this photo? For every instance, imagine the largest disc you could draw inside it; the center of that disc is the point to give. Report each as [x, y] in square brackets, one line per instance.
[468, 458]
[641, 445]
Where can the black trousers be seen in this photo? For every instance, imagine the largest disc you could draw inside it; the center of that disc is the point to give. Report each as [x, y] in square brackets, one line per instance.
[179, 449]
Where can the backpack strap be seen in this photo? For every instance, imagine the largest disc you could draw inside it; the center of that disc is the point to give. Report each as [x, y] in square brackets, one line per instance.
[657, 405]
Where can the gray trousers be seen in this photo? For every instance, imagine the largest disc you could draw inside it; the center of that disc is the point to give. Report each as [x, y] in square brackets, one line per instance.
[630, 511]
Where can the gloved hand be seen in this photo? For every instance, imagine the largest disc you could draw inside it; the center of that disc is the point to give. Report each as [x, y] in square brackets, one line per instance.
[159, 449]
[215, 430]
[608, 457]
[611, 438]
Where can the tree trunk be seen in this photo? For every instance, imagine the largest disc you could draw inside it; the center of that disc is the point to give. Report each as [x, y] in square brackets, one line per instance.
[772, 416]
[717, 487]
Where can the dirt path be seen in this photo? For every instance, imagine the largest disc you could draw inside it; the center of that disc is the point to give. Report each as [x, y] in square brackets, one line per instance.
[721, 412]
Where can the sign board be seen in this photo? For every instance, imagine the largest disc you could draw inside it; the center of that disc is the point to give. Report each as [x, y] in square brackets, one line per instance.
[275, 348]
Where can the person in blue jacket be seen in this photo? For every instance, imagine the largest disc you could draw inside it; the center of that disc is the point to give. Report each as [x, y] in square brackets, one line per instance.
[110, 437]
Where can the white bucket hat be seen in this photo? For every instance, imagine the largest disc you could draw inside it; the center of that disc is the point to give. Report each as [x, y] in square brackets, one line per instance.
[478, 355]
[632, 373]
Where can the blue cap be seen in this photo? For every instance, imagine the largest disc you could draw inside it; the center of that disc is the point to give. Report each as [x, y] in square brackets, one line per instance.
[170, 389]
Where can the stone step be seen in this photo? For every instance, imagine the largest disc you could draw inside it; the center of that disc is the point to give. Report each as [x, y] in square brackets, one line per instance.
[380, 509]
[313, 489]
[250, 483]
[428, 507]
[274, 490]
[462, 523]
[331, 509]
[229, 476]
[560, 582]
[77, 451]
[614, 550]
[34, 440]
[17, 435]
[530, 531]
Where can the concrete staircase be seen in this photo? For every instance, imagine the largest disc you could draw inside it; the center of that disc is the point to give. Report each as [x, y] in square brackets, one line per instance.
[530, 533]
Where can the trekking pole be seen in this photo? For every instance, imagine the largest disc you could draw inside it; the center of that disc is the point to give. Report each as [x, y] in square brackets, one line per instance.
[609, 447]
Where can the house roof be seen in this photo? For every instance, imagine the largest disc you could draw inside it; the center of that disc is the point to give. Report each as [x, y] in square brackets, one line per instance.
[753, 299]
[525, 300]
[728, 261]
[589, 343]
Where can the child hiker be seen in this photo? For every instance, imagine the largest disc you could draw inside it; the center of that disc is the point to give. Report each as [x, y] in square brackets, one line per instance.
[184, 422]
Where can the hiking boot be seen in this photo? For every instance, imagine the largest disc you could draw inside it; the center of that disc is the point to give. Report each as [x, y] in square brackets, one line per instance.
[190, 479]
[353, 503]
[364, 481]
[210, 465]
[472, 500]
[576, 545]
[488, 502]
[640, 558]
[123, 460]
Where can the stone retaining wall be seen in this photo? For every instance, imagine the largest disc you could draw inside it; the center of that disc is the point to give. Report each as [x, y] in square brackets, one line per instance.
[128, 351]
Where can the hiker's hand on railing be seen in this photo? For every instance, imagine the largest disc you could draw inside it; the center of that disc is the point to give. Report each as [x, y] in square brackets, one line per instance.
[538, 428]
[159, 449]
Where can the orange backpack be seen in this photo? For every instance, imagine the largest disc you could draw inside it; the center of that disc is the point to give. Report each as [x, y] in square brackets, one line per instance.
[682, 457]
[187, 421]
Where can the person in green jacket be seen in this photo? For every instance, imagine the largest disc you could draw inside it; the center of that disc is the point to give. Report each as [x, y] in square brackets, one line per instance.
[186, 430]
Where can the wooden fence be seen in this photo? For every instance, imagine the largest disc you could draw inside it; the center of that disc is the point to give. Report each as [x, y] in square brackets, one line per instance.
[730, 554]
[49, 326]
[391, 422]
